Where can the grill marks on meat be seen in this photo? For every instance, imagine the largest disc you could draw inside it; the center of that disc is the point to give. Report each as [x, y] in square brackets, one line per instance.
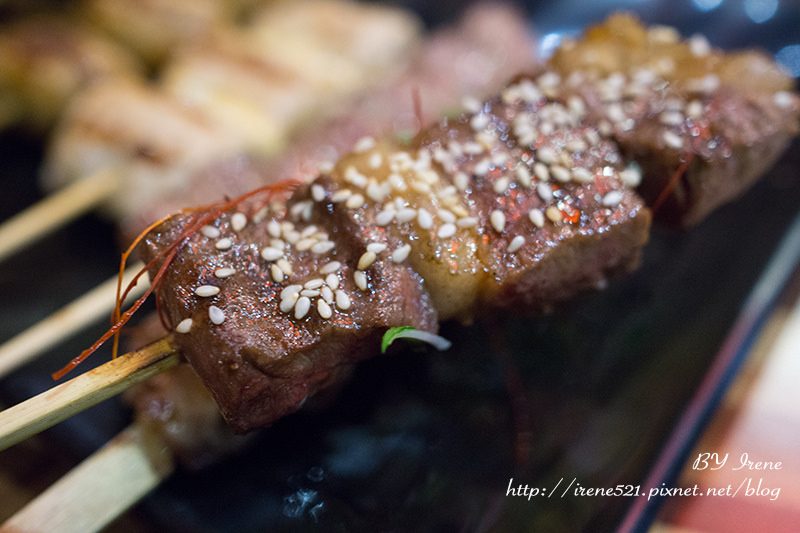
[681, 109]
[271, 310]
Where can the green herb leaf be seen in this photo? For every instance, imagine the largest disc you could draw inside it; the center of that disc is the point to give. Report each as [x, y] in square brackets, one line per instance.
[409, 332]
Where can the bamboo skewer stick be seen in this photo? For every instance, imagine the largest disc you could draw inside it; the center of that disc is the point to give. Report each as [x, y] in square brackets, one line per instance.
[60, 325]
[36, 414]
[56, 210]
[98, 490]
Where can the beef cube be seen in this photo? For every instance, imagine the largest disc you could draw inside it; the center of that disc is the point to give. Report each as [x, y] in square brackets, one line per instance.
[265, 305]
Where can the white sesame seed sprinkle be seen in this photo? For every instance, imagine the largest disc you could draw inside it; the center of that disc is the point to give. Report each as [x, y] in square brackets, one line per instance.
[401, 253]
[238, 221]
[406, 214]
[672, 139]
[322, 247]
[332, 281]
[560, 173]
[287, 304]
[516, 243]
[210, 231]
[461, 181]
[582, 175]
[541, 171]
[523, 175]
[376, 247]
[446, 231]
[206, 290]
[612, 198]
[341, 195]
[424, 218]
[310, 293]
[305, 244]
[284, 265]
[224, 272]
[467, 222]
[274, 228]
[631, 176]
[479, 121]
[501, 185]
[216, 315]
[536, 217]
[184, 326]
[342, 300]
[315, 283]
[498, 220]
[366, 260]
[271, 254]
[326, 293]
[330, 267]
[301, 307]
[317, 192]
[324, 309]
[547, 154]
[276, 273]
[364, 144]
[224, 244]
[360, 279]
[446, 216]
[545, 192]
[291, 291]
[553, 213]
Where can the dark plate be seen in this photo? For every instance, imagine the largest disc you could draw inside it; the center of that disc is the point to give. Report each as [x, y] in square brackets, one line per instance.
[594, 394]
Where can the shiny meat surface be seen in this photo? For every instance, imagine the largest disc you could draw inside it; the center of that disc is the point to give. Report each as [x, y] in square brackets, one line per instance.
[270, 311]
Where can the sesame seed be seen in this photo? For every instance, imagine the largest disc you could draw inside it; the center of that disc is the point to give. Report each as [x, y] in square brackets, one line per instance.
[672, 139]
[315, 283]
[694, 109]
[384, 217]
[401, 253]
[671, 117]
[498, 220]
[291, 291]
[353, 176]
[420, 187]
[342, 300]
[310, 293]
[331, 267]
[378, 191]
[238, 221]
[317, 192]
[631, 176]
[560, 173]
[376, 247]
[553, 213]
[547, 154]
[285, 266]
[366, 259]
[536, 217]
[446, 231]
[479, 121]
[224, 272]
[184, 326]
[577, 105]
[216, 315]
[447, 216]
[406, 214]
[271, 254]
[276, 273]
[424, 218]
[327, 294]
[324, 309]
[224, 243]
[341, 195]
[322, 247]
[461, 181]
[206, 290]
[516, 243]
[361, 279]
[305, 244]
[501, 185]
[545, 192]
[482, 167]
[274, 229]
[210, 231]
[397, 182]
[287, 304]
[612, 198]
[301, 307]
[375, 160]
[541, 171]
[332, 281]
[576, 145]
[364, 144]
[523, 175]
[582, 174]
[467, 222]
